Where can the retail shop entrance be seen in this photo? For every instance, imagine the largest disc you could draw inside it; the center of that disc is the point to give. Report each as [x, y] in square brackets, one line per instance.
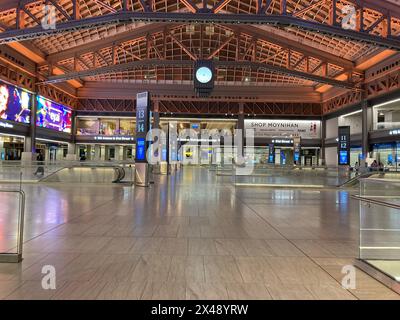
[52, 150]
[11, 147]
[103, 152]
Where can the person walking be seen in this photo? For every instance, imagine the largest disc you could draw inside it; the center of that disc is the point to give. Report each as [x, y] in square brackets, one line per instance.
[40, 161]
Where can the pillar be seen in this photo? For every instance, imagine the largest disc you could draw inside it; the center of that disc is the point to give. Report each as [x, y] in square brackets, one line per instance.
[323, 137]
[71, 153]
[156, 115]
[119, 153]
[240, 126]
[365, 130]
[29, 153]
[97, 152]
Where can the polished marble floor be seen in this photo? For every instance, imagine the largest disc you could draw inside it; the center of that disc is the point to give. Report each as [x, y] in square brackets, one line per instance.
[191, 235]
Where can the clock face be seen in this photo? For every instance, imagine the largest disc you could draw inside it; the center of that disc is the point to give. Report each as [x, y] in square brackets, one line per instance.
[204, 75]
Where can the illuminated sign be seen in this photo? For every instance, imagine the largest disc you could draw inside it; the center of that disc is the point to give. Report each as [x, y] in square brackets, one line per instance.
[114, 138]
[283, 141]
[6, 125]
[140, 149]
[307, 129]
[394, 132]
[296, 149]
[271, 155]
[142, 125]
[15, 104]
[344, 146]
[53, 116]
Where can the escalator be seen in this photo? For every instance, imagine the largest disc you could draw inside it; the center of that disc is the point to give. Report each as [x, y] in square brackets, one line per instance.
[120, 174]
[88, 174]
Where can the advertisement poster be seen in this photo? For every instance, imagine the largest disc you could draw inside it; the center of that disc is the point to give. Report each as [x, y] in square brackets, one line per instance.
[15, 104]
[53, 116]
[306, 129]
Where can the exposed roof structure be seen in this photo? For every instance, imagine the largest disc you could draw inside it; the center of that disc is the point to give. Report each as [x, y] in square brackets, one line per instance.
[263, 46]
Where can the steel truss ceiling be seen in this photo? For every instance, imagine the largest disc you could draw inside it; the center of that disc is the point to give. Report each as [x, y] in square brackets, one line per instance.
[240, 54]
[263, 43]
[376, 24]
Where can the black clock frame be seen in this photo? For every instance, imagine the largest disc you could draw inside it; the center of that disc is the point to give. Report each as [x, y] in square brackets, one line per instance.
[203, 89]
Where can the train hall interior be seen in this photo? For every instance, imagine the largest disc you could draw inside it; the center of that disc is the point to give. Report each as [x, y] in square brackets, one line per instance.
[199, 149]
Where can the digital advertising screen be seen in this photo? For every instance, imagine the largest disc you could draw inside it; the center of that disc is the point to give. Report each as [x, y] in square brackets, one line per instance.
[343, 158]
[140, 149]
[15, 104]
[53, 116]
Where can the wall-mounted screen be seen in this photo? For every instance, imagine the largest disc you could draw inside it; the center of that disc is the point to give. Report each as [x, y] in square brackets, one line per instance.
[140, 149]
[53, 116]
[343, 158]
[15, 104]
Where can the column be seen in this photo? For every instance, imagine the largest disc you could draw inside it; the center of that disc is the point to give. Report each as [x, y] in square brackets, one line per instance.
[240, 126]
[97, 152]
[365, 130]
[89, 152]
[71, 155]
[119, 153]
[156, 115]
[323, 137]
[29, 153]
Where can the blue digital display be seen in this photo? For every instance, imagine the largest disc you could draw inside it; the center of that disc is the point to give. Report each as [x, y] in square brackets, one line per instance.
[271, 159]
[140, 149]
[296, 156]
[164, 154]
[343, 158]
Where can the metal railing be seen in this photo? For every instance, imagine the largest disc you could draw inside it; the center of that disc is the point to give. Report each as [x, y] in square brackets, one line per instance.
[377, 202]
[15, 257]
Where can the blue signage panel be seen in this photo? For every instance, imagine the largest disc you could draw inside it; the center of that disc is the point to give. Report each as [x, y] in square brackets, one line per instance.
[271, 156]
[140, 149]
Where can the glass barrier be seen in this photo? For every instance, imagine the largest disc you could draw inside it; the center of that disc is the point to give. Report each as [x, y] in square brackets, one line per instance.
[17, 171]
[379, 241]
[11, 225]
[271, 175]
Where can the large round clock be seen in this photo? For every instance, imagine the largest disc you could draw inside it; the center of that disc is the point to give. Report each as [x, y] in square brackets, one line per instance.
[204, 74]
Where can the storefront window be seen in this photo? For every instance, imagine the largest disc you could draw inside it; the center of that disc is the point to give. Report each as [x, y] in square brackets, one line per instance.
[11, 148]
[127, 127]
[355, 154]
[386, 153]
[87, 126]
[108, 127]
[386, 117]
